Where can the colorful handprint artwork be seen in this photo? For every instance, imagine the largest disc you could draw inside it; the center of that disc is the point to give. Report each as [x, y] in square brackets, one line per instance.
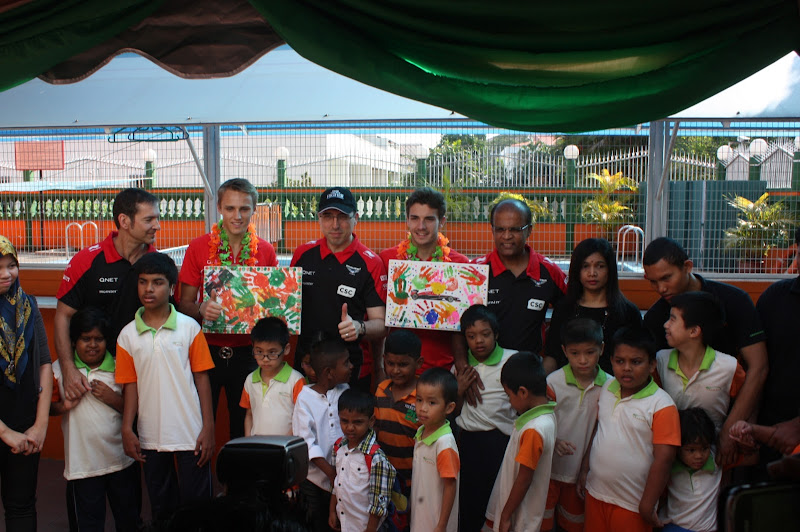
[249, 293]
[432, 295]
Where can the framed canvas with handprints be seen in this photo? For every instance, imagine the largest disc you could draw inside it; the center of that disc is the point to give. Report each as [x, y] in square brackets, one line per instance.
[249, 293]
[433, 295]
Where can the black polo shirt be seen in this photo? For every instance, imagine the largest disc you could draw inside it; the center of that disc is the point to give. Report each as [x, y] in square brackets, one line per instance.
[355, 276]
[99, 276]
[742, 325]
[779, 310]
[520, 303]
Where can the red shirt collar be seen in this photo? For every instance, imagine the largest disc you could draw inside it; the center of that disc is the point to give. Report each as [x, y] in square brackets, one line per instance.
[533, 263]
[110, 251]
[341, 256]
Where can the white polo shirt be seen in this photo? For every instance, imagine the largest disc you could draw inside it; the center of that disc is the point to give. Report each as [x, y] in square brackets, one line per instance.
[692, 496]
[316, 420]
[531, 444]
[622, 450]
[92, 429]
[162, 363]
[576, 413]
[435, 457]
[494, 412]
[711, 388]
[272, 403]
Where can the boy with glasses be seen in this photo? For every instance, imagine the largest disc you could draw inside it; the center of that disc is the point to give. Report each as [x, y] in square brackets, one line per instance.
[270, 392]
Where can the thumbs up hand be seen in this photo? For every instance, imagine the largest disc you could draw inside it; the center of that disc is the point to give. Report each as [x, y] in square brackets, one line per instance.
[347, 327]
[210, 309]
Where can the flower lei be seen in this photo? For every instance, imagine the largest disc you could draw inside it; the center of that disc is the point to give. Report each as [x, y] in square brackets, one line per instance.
[408, 251]
[219, 249]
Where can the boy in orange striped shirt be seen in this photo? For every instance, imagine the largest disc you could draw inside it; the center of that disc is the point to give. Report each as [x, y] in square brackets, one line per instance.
[396, 413]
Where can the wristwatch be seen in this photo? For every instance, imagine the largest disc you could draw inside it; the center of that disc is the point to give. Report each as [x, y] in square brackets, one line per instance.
[362, 328]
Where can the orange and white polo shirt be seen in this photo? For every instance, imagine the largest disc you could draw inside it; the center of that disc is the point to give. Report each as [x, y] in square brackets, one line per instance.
[576, 413]
[622, 450]
[272, 403]
[435, 457]
[711, 388]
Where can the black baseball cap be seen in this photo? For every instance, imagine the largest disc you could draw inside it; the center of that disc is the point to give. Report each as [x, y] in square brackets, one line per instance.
[338, 198]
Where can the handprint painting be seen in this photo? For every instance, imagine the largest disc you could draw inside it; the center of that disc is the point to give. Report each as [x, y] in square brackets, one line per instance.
[249, 293]
[432, 295]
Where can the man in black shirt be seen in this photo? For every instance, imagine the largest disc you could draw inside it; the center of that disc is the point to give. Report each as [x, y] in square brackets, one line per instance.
[344, 284]
[669, 270]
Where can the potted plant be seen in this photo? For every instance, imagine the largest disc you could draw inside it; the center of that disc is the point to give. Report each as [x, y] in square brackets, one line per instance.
[761, 226]
[606, 208]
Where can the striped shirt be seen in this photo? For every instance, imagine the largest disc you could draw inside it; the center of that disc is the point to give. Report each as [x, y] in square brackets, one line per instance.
[396, 424]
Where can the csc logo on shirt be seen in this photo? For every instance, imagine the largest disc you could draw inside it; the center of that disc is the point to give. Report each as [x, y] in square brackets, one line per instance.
[346, 291]
[535, 304]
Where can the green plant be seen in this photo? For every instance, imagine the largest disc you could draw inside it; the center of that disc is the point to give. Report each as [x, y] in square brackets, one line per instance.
[606, 208]
[761, 226]
[539, 209]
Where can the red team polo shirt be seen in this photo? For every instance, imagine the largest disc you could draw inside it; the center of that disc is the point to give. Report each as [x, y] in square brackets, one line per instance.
[196, 259]
[436, 349]
[520, 303]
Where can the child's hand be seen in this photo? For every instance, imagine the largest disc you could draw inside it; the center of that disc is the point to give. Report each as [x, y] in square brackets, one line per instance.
[742, 433]
[205, 445]
[466, 377]
[103, 391]
[333, 521]
[564, 448]
[131, 446]
[69, 405]
[35, 435]
[505, 524]
[580, 486]
[652, 519]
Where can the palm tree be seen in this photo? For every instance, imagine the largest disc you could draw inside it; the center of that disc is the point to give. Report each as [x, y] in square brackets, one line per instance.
[604, 209]
[761, 226]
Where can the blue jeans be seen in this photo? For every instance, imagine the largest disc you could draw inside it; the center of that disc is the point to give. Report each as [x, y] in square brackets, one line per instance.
[168, 487]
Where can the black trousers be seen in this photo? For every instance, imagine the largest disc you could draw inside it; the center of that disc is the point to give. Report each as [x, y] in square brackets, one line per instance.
[86, 500]
[481, 455]
[315, 504]
[230, 374]
[18, 476]
[173, 479]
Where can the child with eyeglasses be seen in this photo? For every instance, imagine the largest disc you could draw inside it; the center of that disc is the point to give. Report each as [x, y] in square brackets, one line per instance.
[270, 392]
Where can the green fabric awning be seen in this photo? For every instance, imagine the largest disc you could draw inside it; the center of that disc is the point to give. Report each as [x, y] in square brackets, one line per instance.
[573, 65]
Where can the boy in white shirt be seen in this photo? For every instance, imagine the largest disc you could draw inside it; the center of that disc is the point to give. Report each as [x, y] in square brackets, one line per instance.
[163, 362]
[95, 464]
[363, 487]
[270, 392]
[316, 420]
[518, 497]
[576, 389]
[485, 426]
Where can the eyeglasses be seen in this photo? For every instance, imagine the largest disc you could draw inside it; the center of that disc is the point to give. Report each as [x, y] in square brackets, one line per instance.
[269, 355]
[512, 230]
[329, 217]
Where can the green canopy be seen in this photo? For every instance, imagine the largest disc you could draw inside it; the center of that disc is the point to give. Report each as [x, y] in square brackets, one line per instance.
[573, 65]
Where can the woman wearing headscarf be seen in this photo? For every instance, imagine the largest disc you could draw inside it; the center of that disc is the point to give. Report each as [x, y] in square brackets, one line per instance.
[25, 393]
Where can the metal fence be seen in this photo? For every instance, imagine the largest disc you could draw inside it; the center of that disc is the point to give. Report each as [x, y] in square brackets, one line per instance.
[57, 186]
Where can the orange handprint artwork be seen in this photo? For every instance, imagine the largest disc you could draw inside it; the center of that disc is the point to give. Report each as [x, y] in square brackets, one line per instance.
[249, 293]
